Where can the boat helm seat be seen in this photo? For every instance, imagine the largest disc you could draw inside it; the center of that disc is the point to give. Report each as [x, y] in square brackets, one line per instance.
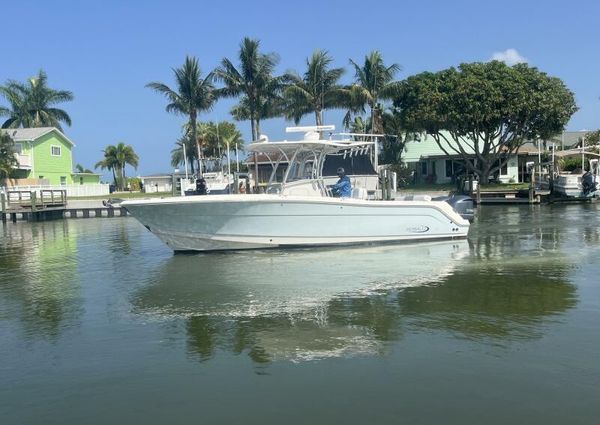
[359, 193]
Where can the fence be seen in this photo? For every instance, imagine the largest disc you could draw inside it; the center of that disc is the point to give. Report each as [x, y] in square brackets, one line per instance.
[73, 190]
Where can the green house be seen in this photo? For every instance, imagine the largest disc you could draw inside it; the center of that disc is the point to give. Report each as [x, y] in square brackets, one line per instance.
[45, 157]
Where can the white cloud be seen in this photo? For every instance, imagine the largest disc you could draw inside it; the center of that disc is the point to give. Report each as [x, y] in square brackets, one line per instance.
[509, 57]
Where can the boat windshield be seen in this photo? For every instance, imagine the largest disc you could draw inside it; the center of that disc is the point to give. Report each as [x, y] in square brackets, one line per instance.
[302, 166]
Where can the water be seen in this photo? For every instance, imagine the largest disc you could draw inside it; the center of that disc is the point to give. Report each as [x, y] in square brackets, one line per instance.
[100, 323]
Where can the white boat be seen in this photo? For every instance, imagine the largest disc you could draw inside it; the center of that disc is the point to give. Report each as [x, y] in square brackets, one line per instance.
[297, 211]
[578, 185]
[218, 183]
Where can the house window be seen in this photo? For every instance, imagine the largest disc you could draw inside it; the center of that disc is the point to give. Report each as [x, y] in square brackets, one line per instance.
[449, 168]
[504, 169]
[63, 181]
[55, 150]
[423, 168]
[18, 148]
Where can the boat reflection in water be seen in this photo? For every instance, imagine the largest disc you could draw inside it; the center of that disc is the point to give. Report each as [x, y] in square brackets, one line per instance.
[283, 298]
[312, 304]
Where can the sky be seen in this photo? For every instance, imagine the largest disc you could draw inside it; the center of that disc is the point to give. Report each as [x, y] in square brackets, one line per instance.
[106, 52]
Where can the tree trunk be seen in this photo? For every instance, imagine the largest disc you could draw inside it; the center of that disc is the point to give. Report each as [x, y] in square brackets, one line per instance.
[318, 117]
[253, 127]
[372, 119]
[484, 173]
[114, 177]
[195, 139]
[119, 180]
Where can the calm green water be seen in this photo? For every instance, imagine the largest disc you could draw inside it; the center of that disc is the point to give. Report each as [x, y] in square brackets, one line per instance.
[101, 324]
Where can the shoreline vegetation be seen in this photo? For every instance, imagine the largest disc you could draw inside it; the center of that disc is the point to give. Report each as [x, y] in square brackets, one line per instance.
[478, 114]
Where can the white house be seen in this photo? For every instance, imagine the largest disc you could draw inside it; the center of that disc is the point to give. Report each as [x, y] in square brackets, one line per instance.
[432, 165]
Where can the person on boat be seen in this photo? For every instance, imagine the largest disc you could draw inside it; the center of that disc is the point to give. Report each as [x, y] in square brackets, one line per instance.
[343, 187]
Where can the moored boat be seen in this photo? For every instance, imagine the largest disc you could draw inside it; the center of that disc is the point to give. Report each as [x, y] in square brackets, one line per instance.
[582, 184]
[297, 210]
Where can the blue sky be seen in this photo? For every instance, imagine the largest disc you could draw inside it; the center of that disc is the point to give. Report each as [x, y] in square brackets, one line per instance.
[105, 52]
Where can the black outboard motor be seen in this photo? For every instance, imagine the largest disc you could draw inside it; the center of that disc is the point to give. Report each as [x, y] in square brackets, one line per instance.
[588, 184]
[200, 186]
[462, 204]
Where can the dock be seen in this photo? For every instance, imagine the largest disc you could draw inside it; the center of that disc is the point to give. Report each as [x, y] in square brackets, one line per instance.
[510, 196]
[42, 205]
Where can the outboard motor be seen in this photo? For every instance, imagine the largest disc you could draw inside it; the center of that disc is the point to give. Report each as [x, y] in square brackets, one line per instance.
[201, 187]
[462, 204]
[588, 184]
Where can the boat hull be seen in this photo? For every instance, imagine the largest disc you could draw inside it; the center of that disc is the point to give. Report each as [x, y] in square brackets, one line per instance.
[235, 222]
[570, 186]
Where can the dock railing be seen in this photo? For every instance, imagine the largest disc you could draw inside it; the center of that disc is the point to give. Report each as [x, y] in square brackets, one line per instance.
[28, 200]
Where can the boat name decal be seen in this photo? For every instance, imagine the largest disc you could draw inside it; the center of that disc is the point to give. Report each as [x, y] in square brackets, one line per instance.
[418, 229]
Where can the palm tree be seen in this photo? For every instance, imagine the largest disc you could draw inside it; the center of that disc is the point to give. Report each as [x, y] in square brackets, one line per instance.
[8, 159]
[126, 156]
[316, 90]
[32, 104]
[254, 81]
[192, 95]
[214, 138]
[374, 82]
[360, 125]
[80, 169]
[109, 162]
[115, 159]
[177, 157]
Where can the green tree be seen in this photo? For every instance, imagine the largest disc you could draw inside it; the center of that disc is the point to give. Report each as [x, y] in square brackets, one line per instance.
[222, 135]
[253, 80]
[80, 169]
[374, 82]
[115, 159]
[213, 140]
[32, 104]
[360, 125]
[485, 111]
[177, 157]
[8, 158]
[395, 137]
[109, 162]
[193, 94]
[592, 139]
[316, 90]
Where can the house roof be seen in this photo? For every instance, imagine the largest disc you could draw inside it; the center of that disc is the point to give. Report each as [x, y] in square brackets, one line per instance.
[31, 134]
[575, 152]
[568, 139]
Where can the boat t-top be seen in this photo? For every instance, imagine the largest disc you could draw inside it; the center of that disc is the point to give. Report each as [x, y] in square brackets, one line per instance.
[298, 209]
